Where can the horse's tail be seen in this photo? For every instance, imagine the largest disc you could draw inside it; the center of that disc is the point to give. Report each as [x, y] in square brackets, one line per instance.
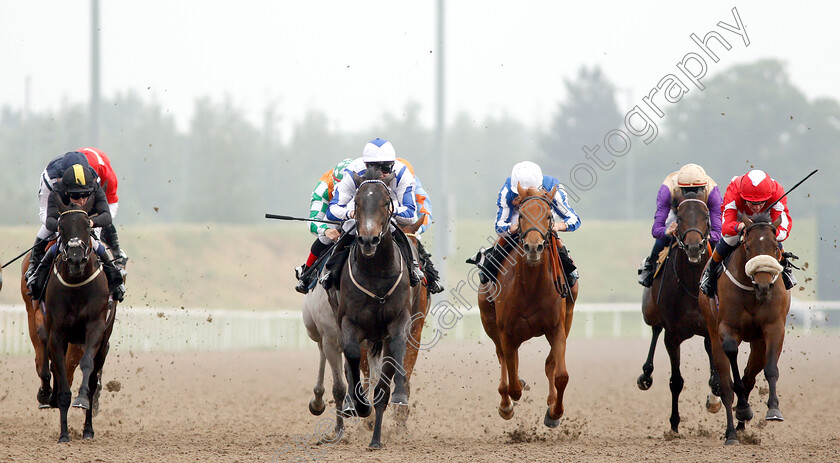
[376, 348]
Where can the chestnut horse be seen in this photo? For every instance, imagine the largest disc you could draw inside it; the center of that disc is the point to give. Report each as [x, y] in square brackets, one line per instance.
[671, 303]
[322, 327]
[374, 302]
[750, 306]
[530, 299]
[77, 311]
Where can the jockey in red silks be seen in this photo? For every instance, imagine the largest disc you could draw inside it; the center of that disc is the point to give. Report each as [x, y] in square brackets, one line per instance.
[749, 194]
[691, 178]
[100, 163]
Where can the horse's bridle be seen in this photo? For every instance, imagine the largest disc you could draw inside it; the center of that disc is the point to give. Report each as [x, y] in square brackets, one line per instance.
[387, 225]
[681, 238]
[75, 242]
[545, 235]
[743, 235]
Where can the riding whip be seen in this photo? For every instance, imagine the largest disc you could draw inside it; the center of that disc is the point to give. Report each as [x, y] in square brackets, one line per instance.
[301, 219]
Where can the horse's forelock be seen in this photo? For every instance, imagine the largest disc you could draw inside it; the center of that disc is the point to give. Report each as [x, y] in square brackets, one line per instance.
[762, 217]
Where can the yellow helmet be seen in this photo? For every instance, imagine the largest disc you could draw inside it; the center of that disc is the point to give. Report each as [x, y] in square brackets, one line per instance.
[691, 175]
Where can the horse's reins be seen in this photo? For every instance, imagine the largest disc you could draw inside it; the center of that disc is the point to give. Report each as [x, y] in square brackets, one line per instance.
[385, 228]
[551, 240]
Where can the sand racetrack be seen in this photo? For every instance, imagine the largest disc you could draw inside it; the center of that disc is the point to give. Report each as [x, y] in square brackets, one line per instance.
[252, 406]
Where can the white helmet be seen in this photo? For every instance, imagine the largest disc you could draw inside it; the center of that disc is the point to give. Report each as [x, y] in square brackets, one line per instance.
[527, 174]
[379, 150]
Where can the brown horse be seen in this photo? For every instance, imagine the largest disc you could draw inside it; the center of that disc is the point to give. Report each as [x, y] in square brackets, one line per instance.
[530, 299]
[671, 303]
[38, 337]
[77, 311]
[750, 307]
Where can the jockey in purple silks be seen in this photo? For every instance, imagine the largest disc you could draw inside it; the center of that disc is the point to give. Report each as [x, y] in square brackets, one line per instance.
[690, 178]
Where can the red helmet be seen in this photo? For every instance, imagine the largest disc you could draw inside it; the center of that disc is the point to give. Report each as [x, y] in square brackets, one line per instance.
[757, 186]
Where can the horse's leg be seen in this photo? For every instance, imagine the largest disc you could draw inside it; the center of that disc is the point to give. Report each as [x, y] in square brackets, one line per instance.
[74, 356]
[511, 353]
[42, 364]
[713, 402]
[353, 356]
[339, 389]
[57, 348]
[726, 393]
[570, 308]
[645, 380]
[492, 330]
[397, 348]
[317, 405]
[774, 336]
[98, 362]
[382, 392]
[672, 344]
[743, 412]
[755, 363]
[93, 338]
[559, 378]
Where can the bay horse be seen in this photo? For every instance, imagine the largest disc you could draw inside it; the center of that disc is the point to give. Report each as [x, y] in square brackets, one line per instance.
[749, 307]
[322, 327]
[374, 301]
[78, 311]
[671, 303]
[529, 302]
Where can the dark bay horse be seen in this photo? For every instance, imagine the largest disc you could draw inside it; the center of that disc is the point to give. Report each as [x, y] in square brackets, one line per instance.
[322, 327]
[78, 312]
[671, 303]
[530, 301]
[374, 301]
[750, 307]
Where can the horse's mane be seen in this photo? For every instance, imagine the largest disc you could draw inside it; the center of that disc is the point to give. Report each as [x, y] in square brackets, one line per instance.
[372, 173]
[762, 217]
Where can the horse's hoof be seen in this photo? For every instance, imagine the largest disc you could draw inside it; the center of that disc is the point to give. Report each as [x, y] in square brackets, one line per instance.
[399, 399]
[644, 382]
[525, 386]
[731, 442]
[774, 414]
[81, 402]
[63, 439]
[315, 408]
[548, 421]
[87, 435]
[44, 396]
[740, 426]
[506, 413]
[363, 410]
[713, 403]
[375, 446]
[744, 414]
[44, 406]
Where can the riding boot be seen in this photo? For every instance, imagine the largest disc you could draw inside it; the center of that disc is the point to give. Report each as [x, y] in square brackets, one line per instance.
[38, 279]
[488, 262]
[569, 266]
[336, 261]
[35, 257]
[415, 276]
[648, 268]
[708, 281]
[115, 279]
[432, 276]
[109, 236]
[787, 270]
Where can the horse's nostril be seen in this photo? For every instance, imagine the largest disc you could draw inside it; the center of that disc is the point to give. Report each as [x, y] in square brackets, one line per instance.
[540, 248]
[374, 241]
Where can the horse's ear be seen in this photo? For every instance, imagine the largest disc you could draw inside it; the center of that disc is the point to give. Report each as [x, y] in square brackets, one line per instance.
[551, 193]
[521, 191]
[89, 204]
[356, 179]
[413, 227]
[777, 222]
[389, 178]
[745, 219]
[60, 204]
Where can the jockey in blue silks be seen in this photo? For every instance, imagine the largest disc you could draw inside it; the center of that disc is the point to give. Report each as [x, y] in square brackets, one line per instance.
[527, 175]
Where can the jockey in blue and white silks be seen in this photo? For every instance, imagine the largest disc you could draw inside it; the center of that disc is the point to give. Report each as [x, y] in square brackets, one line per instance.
[380, 154]
[508, 213]
[527, 175]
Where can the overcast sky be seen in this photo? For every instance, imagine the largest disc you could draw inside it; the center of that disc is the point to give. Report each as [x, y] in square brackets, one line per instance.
[356, 60]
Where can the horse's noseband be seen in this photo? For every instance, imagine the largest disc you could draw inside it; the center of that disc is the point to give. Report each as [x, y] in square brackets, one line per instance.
[76, 243]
